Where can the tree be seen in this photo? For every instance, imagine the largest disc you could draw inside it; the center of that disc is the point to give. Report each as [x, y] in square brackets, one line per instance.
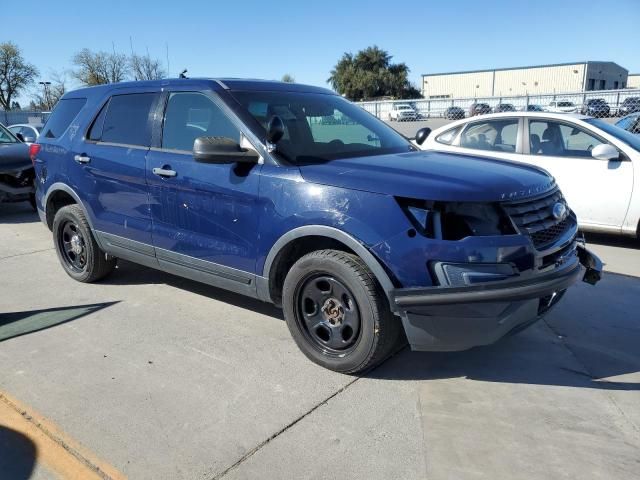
[370, 74]
[47, 97]
[288, 78]
[15, 73]
[144, 67]
[98, 68]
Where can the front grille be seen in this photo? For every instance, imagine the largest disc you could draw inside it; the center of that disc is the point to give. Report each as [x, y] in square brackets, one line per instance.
[535, 218]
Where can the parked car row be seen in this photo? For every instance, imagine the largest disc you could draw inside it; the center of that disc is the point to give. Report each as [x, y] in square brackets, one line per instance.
[595, 107]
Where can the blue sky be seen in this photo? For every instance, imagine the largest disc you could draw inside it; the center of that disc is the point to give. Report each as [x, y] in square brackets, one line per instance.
[262, 39]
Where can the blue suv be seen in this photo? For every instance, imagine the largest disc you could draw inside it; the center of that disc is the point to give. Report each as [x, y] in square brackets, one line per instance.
[293, 195]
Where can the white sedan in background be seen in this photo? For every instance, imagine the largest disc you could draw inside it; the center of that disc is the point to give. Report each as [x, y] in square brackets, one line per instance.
[562, 106]
[595, 163]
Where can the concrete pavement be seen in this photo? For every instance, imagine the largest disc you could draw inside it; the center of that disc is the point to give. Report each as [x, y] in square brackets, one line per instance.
[165, 378]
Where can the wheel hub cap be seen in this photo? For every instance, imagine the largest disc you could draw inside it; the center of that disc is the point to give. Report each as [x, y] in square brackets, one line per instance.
[333, 311]
[76, 244]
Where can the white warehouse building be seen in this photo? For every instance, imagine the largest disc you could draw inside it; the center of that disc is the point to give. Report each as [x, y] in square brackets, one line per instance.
[533, 80]
[634, 80]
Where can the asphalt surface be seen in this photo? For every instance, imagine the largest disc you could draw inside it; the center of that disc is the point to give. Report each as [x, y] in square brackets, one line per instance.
[154, 376]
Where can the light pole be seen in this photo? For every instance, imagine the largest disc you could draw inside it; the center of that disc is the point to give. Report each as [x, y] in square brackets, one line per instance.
[45, 86]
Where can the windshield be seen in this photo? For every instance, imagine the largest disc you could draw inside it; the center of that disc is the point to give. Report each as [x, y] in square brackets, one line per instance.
[565, 104]
[404, 107]
[321, 127]
[630, 139]
[6, 136]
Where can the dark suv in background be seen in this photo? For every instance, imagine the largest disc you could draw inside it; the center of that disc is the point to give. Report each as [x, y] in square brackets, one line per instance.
[251, 186]
[596, 107]
[479, 109]
[629, 105]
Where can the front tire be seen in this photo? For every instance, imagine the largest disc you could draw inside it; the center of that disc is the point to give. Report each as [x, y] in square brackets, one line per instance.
[337, 313]
[76, 247]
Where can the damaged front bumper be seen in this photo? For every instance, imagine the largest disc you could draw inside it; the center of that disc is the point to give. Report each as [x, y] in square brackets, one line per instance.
[458, 318]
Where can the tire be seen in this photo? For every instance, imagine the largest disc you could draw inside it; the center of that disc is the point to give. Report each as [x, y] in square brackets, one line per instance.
[318, 325]
[76, 247]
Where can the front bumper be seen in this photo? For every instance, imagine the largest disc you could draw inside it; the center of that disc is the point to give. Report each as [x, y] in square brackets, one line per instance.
[458, 318]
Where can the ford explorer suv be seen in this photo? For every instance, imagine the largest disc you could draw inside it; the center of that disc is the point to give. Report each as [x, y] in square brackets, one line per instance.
[252, 187]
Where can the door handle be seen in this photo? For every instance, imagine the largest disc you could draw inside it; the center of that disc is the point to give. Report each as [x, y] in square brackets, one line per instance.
[164, 172]
[82, 158]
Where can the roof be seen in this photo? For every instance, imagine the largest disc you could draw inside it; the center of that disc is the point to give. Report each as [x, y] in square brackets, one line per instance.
[518, 68]
[215, 83]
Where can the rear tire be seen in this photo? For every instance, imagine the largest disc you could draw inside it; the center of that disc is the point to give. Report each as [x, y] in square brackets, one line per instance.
[76, 247]
[337, 312]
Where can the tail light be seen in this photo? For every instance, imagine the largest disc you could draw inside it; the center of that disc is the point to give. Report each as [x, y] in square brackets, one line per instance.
[34, 150]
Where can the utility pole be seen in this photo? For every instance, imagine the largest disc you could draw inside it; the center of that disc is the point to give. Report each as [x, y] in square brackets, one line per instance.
[45, 86]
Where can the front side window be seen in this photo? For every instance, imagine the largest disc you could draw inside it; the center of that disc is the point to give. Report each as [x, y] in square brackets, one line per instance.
[65, 112]
[319, 127]
[190, 115]
[126, 120]
[557, 139]
[494, 135]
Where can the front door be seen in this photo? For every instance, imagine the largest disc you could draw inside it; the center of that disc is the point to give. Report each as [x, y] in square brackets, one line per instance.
[205, 215]
[598, 191]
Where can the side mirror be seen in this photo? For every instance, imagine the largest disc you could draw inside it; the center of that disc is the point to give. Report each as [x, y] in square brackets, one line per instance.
[422, 134]
[222, 150]
[604, 151]
[20, 137]
[29, 139]
[275, 130]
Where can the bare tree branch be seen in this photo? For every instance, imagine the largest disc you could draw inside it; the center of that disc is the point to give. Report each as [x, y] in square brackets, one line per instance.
[15, 73]
[144, 67]
[98, 68]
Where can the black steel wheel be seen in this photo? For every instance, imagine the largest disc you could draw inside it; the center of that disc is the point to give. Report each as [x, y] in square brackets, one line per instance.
[72, 245]
[337, 313]
[327, 313]
[76, 247]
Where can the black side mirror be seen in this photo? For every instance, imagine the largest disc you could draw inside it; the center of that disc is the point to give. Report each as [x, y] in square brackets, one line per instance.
[275, 129]
[422, 134]
[222, 150]
[20, 137]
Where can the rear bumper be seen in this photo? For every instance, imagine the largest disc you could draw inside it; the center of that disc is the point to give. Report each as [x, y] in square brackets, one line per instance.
[458, 318]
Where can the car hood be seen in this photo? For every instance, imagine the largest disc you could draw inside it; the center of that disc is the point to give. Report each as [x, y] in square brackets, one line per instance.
[432, 175]
[14, 157]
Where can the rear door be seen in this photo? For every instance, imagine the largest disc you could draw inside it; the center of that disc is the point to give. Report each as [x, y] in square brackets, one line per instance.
[111, 171]
[598, 191]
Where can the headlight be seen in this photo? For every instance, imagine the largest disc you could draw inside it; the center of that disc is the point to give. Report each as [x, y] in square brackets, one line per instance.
[461, 274]
[454, 221]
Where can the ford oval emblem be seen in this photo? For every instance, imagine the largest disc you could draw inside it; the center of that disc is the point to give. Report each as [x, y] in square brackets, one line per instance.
[559, 211]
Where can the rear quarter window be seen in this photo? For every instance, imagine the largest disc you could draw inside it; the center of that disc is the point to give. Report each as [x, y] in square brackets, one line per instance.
[65, 112]
[449, 136]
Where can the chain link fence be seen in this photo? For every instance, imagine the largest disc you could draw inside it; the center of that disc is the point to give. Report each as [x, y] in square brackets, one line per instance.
[604, 103]
[32, 117]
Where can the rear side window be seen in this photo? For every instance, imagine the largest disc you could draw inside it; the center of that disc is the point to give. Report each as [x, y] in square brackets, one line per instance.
[65, 112]
[126, 120]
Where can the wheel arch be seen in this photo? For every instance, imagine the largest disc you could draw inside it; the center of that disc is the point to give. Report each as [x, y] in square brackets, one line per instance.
[303, 240]
[59, 195]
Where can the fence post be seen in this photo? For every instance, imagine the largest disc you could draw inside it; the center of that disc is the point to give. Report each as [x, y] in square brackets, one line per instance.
[617, 101]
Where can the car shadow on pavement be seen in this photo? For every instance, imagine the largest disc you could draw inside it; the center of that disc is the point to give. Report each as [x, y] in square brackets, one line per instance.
[612, 240]
[16, 324]
[17, 455]
[14, 213]
[131, 274]
[590, 340]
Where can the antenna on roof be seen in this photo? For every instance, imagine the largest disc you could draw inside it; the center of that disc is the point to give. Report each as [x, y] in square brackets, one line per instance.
[183, 74]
